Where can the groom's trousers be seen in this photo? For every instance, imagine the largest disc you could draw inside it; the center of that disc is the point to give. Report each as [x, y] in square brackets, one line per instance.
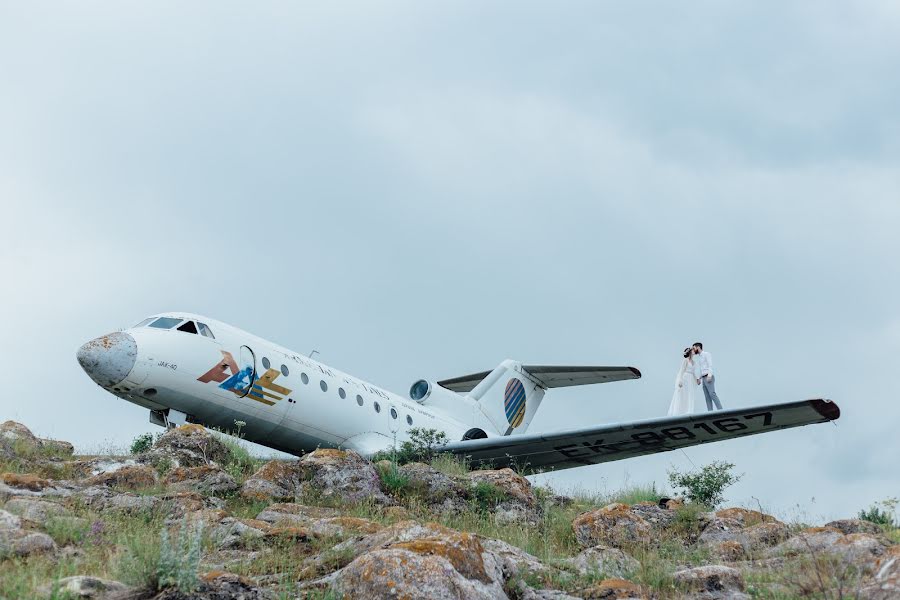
[709, 390]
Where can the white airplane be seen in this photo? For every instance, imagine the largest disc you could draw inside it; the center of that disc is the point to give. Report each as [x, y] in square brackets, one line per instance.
[189, 368]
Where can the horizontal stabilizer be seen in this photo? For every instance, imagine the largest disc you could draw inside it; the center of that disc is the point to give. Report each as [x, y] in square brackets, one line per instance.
[538, 452]
[550, 376]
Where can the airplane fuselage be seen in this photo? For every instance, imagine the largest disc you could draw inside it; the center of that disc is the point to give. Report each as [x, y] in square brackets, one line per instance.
[275, 396]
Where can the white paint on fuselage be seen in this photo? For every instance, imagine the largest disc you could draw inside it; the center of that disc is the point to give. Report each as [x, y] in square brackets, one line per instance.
[171, 361]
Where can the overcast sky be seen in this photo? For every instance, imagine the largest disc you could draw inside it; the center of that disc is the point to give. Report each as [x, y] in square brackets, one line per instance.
[424, 189]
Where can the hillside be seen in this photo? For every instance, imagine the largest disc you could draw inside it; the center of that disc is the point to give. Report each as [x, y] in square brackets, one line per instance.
[194, 516]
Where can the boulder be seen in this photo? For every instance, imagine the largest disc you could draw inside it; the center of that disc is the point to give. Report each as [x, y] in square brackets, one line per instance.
[438, 491]
[613, 525]
[340, 475]
[290, 513]
[19, 542]
[9, 521]
[603, 560]
[17, 438]
[83, 586]
[449, 565]
[859, 549]
[57, 448]
[659, 518]
[101, 499]
[614, 589]
[514, 562]
[230, 532]
[84, 469]
[885, 582]
[745, 517]
[178, 505]
[188, 446]
[205, 480]
[848, 526]
[712, 582]
[275, 480]
[24, 482]
[728, 539]
[37, 512]
[219, 585]
[519, 503]
[130, 477]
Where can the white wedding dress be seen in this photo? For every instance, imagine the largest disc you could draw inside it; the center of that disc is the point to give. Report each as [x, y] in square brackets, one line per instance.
[683, 400]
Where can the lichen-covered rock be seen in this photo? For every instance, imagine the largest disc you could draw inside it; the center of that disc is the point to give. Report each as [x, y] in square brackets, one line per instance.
[514, 562]
[9, 520]
[856, 548]
[712, 582]
[101, 498]
[19, 542]
[341, 475]
[745, 517]
[291, 513]
[188, 446]
[848, 526]
[230, 532]
[24, 481]
[17, 437]
[205, 479]
[85, 469]
[275, 480]
[177, 505]
[519, 504]
[37, 512]
[885, 581]
[731, 541]
[603, 560]
[83, 586]
[439, 491]
[57, 448]
[613, 525]
[659, 518]
[451, 565]
[614, 589]
[219, 585]
[131, 477]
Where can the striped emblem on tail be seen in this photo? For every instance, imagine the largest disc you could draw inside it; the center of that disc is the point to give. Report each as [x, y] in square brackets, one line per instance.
[514, 402]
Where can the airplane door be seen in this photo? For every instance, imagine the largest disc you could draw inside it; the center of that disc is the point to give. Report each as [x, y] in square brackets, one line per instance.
[247, 366]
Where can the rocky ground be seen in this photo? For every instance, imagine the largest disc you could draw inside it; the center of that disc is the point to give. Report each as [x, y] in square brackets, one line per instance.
[193, 517]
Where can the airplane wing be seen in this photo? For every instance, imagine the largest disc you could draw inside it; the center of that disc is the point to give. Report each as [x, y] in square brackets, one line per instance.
[550, 376]
[593, 445]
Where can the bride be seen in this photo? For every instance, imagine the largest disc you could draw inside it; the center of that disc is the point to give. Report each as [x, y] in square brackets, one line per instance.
[685, 386]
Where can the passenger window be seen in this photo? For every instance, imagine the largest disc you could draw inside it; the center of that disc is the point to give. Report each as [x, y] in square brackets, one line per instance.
[323, 385]
[359, 400]
[377, 407]
[304, 378]
[266, 363]
[188, 327]
[408, 420]
[393, 414]
[284, 370]
[144, 322]
[205, 331]
[342, 393]
[165, 323]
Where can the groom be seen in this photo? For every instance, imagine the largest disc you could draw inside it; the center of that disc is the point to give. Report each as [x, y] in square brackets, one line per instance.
[706, 373]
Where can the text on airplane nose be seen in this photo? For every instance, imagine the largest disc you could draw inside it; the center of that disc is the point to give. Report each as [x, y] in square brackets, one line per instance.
[108, 359]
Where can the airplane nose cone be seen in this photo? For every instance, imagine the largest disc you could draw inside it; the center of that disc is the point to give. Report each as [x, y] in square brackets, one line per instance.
[108, 359]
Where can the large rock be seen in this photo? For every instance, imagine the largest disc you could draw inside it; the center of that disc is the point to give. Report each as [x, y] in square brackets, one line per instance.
[20, 542]
[57, 448]
[275, 480]
[339, 476]
[101, 499]
[17, 438]
[848, 526]
[518, 503]
[745, 517]
[9, 521]
[885, 582]
[131, 477]
[188, 446]
[859, 549]
[658, 517]
[205, 480]
[25, 482]
[438, 491]
[37, 512]
[729, 539]
[450, 565]
[218, 585]
[613, 525]
[605, 561]
[712, 582]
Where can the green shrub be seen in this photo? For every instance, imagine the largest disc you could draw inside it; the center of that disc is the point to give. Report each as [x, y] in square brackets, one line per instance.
[392, 480]
[706, 486]
[881, 513]
[422, 446]
[144, 442]
[487, 495]
[179, 561]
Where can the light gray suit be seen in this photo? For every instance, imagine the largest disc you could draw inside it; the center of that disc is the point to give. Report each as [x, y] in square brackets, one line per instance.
[709, 381]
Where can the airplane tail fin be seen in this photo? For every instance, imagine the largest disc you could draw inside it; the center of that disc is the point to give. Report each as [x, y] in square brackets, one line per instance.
[509, 396]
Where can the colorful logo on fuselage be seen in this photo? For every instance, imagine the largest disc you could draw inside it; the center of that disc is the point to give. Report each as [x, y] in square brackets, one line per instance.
[514, 402]
[242, 382]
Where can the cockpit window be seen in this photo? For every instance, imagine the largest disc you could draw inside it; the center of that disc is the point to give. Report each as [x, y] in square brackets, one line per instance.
[188, 327]
[205, 331]
[144, 322]
[165, 322]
